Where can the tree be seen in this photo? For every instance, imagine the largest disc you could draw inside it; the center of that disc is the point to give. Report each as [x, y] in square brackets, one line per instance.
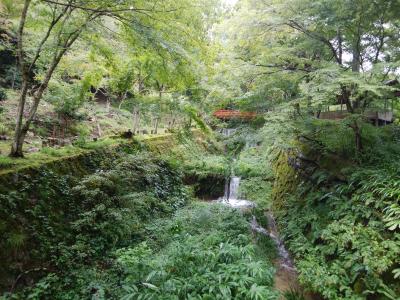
[62, 23]
[67, 20]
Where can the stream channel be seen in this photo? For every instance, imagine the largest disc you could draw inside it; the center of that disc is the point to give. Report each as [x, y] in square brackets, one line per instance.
[286, 276]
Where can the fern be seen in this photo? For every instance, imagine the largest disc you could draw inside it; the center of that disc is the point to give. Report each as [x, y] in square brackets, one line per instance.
[392, 217]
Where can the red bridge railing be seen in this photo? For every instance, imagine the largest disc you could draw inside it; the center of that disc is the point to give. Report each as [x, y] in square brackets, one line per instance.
[226, 114]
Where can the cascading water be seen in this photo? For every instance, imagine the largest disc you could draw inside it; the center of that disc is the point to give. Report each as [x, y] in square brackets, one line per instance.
[231, 196]
[228, 131]
[286, 276]
[232, 189]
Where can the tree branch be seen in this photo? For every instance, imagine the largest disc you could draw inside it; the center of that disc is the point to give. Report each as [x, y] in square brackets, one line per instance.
[20, 33]
[104, 11]
[47, 35]
[297, 26]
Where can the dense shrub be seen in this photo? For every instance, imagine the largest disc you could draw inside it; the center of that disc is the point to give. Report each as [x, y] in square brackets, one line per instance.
[61, 224]
[344, 235]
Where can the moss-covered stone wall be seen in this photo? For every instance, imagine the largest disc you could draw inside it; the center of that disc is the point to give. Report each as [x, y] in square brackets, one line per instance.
[286, 180]
[22, 191]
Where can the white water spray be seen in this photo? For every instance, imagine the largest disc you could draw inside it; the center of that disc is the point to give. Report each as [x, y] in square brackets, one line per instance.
[231, 196]
[228, 131]
[232, 199]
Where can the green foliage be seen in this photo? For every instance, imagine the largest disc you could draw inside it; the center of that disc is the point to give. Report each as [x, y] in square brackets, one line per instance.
[82, 131]
[258, 190]
[3, 129]
[40, 131]
[294, 295]
[51, 151]
[76, 223]
[199, 156]
[3, 95]
[205, 252]
[194, 114]
[344, 234]
[392, 216]
[6, 162]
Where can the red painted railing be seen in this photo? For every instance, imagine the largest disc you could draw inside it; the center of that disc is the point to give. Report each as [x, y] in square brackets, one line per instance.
[226, 114]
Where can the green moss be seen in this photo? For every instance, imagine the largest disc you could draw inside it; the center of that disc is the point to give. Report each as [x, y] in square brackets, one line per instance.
[286, 180]
[45, 180]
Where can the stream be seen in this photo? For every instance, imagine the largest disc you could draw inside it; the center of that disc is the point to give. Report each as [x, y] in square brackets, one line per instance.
[286, 275]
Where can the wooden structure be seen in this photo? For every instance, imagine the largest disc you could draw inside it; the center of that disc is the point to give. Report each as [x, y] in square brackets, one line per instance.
[376, 117]
[228, 114]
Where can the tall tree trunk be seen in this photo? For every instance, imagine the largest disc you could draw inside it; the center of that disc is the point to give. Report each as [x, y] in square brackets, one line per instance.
[356, 52]
[340, 46]
[63, 43]
[122, 99]
[355, 65]
[173, 123]
[19, 135]
[16, 148]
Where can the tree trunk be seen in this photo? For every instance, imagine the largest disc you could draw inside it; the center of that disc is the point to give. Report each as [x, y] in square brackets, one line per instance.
[135, 120]
[64, 42]
[16, 148]
[19, 135]
[156, 125]
[340, 46]
[345, 98]
[122, 99]
[108, 104]
[173, 123]
[357, 134]
[356, 61]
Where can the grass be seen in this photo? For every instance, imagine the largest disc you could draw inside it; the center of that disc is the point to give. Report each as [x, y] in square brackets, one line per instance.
[111, 121]
[6, 162]
[48, 155]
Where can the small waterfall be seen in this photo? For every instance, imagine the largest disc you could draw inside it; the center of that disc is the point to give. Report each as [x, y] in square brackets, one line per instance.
[232, 189]
[231, 196]
[228, 131]
[272, 232]
[286, 275]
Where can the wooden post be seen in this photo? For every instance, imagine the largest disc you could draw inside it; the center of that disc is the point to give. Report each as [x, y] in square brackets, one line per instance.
[156, 125]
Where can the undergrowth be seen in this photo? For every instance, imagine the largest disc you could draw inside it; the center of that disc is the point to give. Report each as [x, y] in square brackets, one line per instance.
[205, 252]
[340, 219]
[64, 229]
